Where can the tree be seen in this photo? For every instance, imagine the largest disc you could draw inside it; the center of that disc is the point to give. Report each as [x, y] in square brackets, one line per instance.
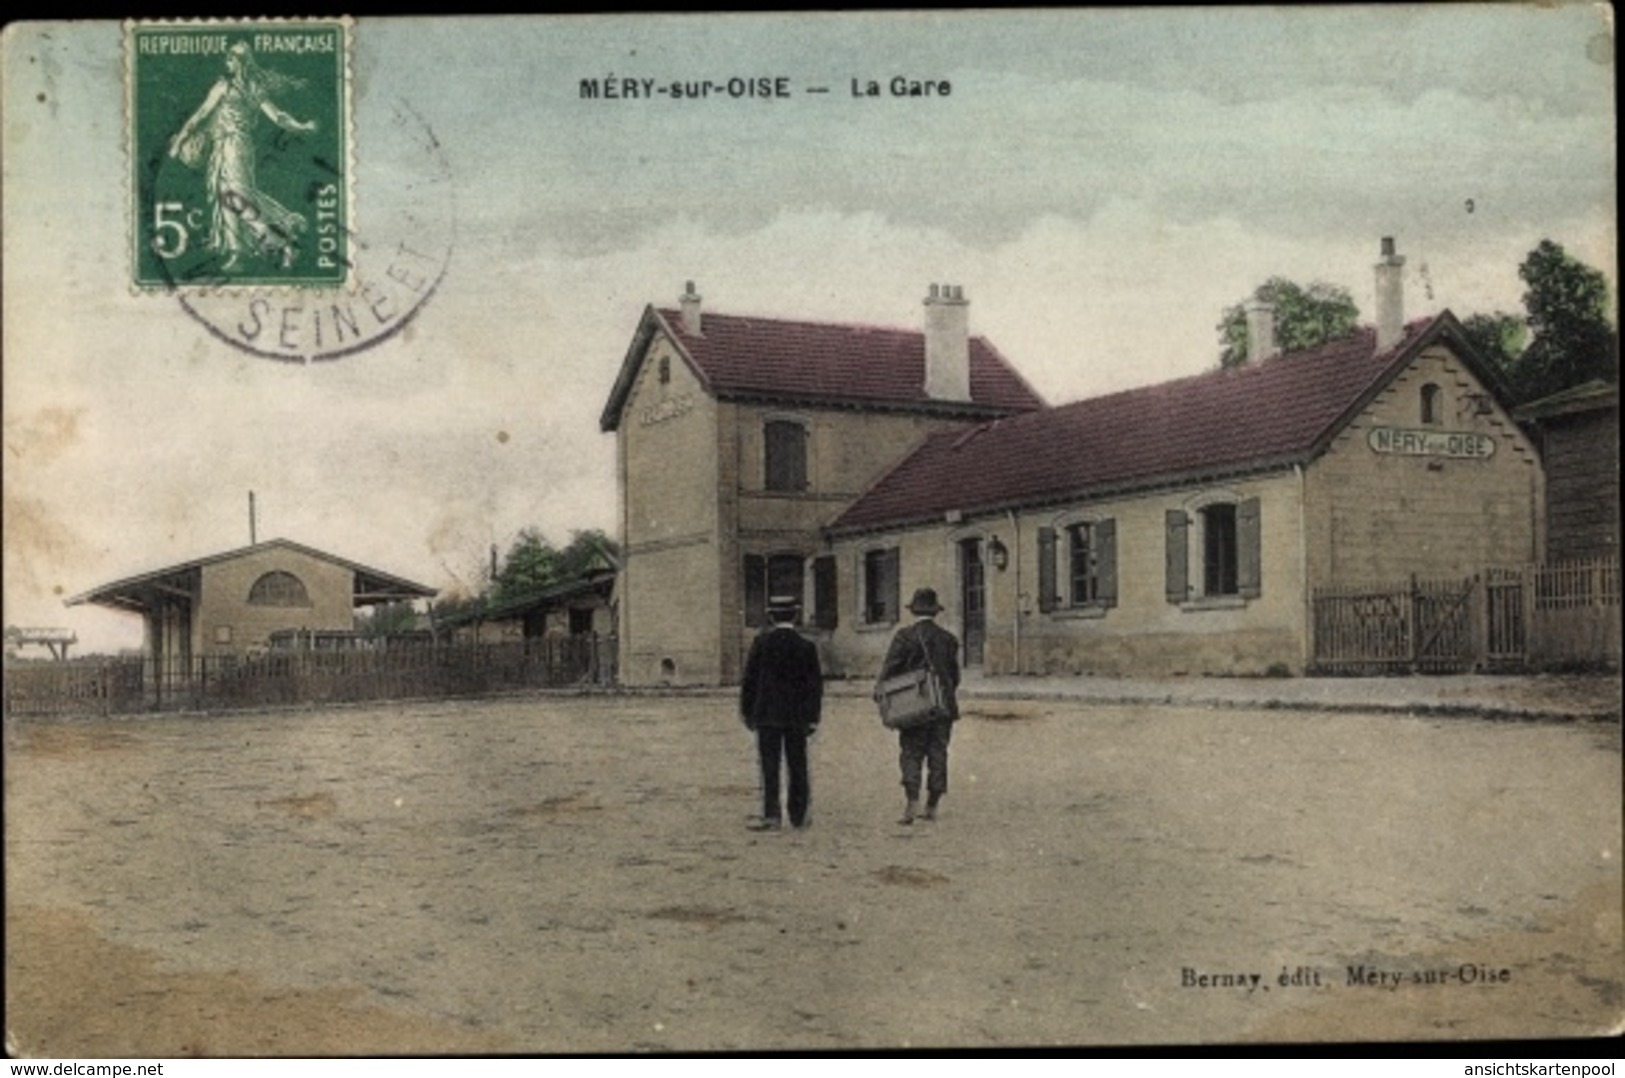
[1304, 318]
[533, 562]
[1498, 338]
[588, 548]
[1571, 339]
[386, 619]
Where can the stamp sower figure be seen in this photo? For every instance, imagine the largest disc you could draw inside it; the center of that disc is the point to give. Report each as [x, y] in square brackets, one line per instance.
[781, 698]
[220, 135]
[925, 645]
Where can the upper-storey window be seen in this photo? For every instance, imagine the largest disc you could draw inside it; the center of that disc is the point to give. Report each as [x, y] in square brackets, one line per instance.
[279, 589]
[785, 466]
[1432, 408]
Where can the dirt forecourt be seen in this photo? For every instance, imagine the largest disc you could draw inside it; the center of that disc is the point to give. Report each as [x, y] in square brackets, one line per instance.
[573, 874]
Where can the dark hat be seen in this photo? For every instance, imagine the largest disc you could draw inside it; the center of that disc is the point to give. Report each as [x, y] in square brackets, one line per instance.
[925, 602]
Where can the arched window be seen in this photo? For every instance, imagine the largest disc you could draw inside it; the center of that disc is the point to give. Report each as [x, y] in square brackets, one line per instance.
[279, 589]
[665, 370]
[1430, 404]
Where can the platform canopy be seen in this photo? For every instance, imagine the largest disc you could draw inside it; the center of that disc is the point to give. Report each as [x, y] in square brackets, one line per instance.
[146, 592]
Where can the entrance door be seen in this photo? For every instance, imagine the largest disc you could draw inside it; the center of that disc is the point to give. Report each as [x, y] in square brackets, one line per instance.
[973, 598]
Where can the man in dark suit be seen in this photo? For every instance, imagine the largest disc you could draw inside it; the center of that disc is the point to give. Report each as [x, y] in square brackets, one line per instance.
[925, 645]
[780, 698]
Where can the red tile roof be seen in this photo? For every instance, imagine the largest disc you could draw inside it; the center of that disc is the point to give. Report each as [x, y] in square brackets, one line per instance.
[1274, 412]
[825, 363]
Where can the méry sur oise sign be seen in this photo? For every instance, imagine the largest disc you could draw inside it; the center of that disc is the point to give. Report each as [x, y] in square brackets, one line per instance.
[1466, 445]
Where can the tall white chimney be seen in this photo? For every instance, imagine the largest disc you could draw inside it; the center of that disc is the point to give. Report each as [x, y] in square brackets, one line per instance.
[689, 301]
[1261, 331]
[1390, 296]
[947, 344]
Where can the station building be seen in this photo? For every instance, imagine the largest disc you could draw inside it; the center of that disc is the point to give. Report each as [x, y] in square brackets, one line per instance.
[238, 601]
[1176, 528]
[738, 439]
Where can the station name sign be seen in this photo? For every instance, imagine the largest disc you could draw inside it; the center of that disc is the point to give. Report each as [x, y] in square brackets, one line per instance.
[667, 410]
[1461, 445]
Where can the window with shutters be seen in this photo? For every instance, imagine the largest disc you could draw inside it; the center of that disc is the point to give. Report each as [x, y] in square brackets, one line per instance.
[785, 456]
[1219, 549]
[771, 575]
[1077, 566]
[882, 585]
[1214, 556]
[1083, 565]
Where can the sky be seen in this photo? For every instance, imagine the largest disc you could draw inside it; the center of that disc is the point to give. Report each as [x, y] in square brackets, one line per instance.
[1101, 183]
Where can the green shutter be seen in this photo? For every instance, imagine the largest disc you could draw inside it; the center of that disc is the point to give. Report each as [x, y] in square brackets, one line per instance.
[826, 595]
[1046, 570]
[1178, 538]
[1249, 567]
[755, 590]
[894, 584]
[1106, 561]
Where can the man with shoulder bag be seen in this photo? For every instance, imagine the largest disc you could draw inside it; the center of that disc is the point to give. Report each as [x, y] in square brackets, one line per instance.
[925, 646]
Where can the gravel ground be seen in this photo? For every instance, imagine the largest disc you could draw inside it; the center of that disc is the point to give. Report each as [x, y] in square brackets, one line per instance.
[572, 874]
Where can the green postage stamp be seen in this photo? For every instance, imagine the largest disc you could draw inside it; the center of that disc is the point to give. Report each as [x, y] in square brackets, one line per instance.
[239, 141]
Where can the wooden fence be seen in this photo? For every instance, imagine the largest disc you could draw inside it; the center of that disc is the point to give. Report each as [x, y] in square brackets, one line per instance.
[295, 678]
[1528, 617]
[74, 687]
[1573, 613]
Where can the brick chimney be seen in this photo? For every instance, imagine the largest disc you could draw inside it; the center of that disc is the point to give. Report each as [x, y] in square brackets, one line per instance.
[689, 302]
[1261, 331]
[947, 344]
[1390, 296]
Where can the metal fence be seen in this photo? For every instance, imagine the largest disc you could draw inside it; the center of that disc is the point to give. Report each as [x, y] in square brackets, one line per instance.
[1527, 617]
[295, 678]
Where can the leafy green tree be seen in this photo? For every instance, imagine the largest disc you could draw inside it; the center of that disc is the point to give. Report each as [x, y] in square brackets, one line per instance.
[386, 619]
[1571, 338]
[1304, 318]
[588, 549]
[1499, 338]
[531, 563]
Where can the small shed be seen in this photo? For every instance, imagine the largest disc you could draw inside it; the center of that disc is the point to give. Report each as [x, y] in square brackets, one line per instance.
[1577, 431]
[575, 608]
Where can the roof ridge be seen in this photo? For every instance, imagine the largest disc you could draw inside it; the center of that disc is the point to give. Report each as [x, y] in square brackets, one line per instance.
[1268, 411]
[827, 323]
[1250, 368]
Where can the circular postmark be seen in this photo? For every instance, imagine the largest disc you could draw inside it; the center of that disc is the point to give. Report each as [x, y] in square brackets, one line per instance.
[393, 264]
[250, 160]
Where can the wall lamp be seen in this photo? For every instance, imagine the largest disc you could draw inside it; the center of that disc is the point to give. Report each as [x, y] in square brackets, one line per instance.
[999, 554]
